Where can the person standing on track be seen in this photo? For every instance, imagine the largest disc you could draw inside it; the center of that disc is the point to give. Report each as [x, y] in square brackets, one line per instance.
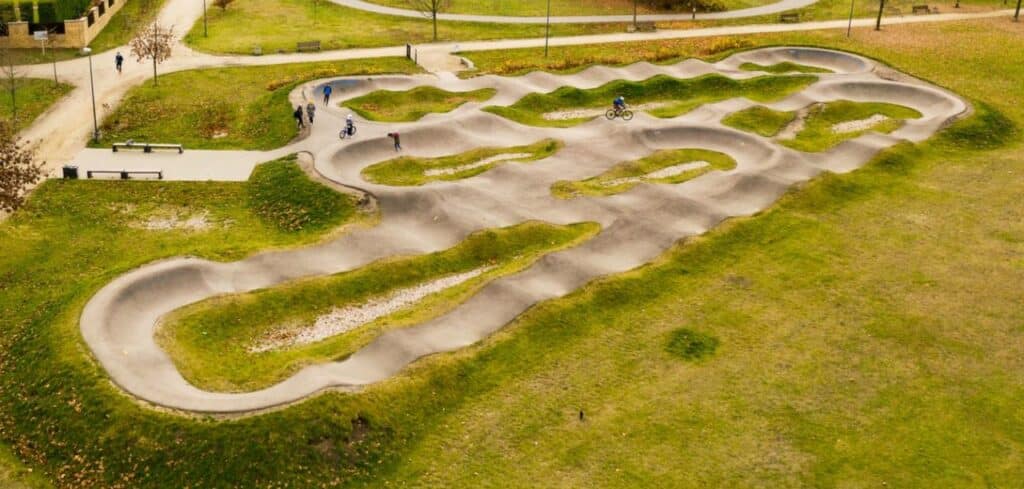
[310, 111]
[398, 140]
[298, 116]
[327, 94]
[118, 62]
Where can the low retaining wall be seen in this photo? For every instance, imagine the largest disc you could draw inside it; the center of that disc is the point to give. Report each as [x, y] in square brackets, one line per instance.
[77, 33]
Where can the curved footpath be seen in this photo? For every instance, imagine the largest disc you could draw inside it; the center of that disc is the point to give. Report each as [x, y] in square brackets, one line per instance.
[119, 322]
[772, 8]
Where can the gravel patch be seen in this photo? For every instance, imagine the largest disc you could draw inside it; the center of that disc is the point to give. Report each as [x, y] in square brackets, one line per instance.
[667, 172]
[797, 124]
[344, 319]
[858, 125]
[433, 172]
[563, 115]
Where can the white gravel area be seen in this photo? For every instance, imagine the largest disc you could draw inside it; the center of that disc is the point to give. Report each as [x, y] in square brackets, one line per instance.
[858, 125]
[344, 319]
[433, 172]
[667, 172]
[563, 115]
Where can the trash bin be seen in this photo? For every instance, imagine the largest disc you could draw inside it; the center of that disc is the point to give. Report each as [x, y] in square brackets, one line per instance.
[70, 172]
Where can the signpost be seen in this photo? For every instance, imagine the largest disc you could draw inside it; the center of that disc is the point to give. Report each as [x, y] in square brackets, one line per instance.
[42, 37]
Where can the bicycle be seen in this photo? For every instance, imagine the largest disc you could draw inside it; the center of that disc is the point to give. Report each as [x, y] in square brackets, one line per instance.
[625, 114]
[347, 132]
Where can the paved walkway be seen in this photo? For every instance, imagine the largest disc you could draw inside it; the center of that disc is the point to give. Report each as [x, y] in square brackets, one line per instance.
[773, 8]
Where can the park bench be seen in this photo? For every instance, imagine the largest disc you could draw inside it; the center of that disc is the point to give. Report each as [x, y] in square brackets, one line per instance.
[307, 46]
[789, 18]
[924, 9]
[894, 11]
[642, 27]
[146, 147]
[126, 174]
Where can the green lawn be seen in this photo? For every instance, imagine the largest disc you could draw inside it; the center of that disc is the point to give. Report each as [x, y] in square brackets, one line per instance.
[759, 120]
[626, 175]
[210, 341]
[249, 23]
[673, 96]
[226, 108]
[818, 133]
[135, 14]
[784, 67]
[410, 170]
[32, 97]
[538, 8]
[412, 105]
[868, 334]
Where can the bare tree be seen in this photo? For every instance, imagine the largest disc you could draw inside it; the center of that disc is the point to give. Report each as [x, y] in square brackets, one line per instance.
[153, 42]
[430, 9]
[223, 4]
[10, 79]
[18, 168]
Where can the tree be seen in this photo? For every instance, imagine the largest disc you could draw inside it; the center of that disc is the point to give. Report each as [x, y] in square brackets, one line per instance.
[10, 79]
[18, 168]
[430, 9]
[153, 42]
[223, 4]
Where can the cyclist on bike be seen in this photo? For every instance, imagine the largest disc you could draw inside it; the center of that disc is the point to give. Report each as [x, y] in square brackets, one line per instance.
[619, 104]
[350, 125]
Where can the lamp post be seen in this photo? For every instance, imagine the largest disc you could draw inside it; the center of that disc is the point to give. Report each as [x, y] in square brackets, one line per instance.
[849, 25]
[878, 23]
[206, 31]
[547, 30]
[1016, 15]
[92, 87]
[634, 15]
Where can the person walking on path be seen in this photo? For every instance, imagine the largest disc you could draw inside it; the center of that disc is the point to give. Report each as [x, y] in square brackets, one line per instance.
[118, 62]
[327, 94]
[310, 111]
[298, 117]
[398, 141]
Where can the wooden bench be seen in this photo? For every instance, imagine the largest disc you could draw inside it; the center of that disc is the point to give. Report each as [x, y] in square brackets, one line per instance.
[789, 18]
[146, 147]
[923, 9]
[642, 27]
[126, 174]
[307, 46]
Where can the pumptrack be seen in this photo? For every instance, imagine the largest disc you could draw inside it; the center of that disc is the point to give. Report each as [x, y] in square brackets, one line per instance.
[119, 322]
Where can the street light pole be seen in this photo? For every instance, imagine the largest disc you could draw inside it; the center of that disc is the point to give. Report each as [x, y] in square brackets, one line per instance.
[1016, 16]
[547, 30]
[634, 14]
[878, 23]
[849, 26]
[92, 88]
[206, 31]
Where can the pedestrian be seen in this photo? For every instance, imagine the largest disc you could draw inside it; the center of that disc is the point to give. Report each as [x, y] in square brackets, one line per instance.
[398, 141]
[327, 94]
[298, 116]
[310, 111]
[118, 62]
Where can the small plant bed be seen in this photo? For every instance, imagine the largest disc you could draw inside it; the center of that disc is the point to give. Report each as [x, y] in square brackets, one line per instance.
[283, 196]
[691, 345]
[827, 125]
[32, 98]
[783, 67]
[226, 108]
[410, 170]
[411, 105]
[672, 96]
[666, 166]
[759, 120]
[248, 341]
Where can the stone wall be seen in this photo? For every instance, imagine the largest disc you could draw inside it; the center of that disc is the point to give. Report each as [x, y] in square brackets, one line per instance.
[77, 33]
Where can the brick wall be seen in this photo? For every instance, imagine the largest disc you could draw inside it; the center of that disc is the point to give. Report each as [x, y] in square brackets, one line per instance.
[77, 33]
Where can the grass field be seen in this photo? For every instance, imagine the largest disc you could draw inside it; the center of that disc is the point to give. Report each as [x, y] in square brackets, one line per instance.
[818, 133]
[226, 108]
[784, 67]
[667, 96]
[868, 333]
[759, 120]
[410, 170]
[412, 105]
[210, 342]
[32, 97]
[538, 8]
[249, 23]
[626, 175]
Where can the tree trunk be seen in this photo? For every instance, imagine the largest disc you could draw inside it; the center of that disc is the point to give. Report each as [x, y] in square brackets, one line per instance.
[435, 24]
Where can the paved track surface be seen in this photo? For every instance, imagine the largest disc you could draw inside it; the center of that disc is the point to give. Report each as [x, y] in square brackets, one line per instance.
[118, 323]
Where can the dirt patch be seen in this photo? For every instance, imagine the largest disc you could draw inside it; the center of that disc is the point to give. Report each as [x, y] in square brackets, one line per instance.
[797, 124]
[858, 125]
[667, 172]
[433, 172]
[168, 218]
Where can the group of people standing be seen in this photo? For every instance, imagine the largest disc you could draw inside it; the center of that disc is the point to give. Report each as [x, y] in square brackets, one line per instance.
[301, 116]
